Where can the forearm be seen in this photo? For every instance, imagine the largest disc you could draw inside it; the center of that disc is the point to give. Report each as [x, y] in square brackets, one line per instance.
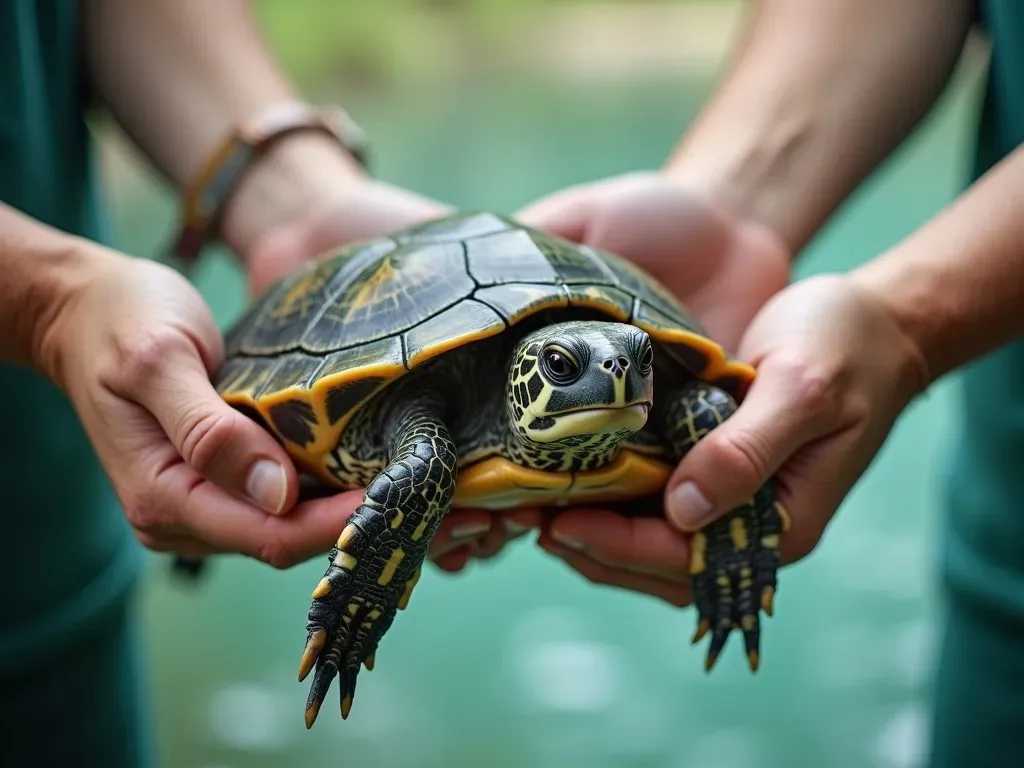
[40, 267]
[179, 75]
[956, 286]
[817, 95]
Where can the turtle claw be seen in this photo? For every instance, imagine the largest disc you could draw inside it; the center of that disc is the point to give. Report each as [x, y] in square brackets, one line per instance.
[734, 575]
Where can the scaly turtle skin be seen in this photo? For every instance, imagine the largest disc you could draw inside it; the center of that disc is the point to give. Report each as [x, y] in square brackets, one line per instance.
[474, 362]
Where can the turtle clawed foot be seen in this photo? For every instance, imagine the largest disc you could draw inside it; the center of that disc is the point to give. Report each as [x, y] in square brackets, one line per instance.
[344, 627]
[731, 607]
[735, 579]
[358, 626]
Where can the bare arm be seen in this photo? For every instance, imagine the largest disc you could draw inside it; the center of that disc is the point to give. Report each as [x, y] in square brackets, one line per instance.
[41, 267]
[179, 75]
[956, 286]
[817, 95]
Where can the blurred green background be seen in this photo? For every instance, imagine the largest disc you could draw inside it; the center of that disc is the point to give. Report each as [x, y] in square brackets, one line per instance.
[487, 104]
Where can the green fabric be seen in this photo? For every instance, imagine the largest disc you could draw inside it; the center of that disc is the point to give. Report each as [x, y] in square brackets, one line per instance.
[69, 560]
[977, 722]
[984, 552]
[979, 701]
[84, 712]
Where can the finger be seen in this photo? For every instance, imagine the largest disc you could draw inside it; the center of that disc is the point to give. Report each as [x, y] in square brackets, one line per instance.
[566, 213]
[454, 561]
[457, 528]
[490, 544]
[208, 513]
[675, 593]
[187, 546]
[642, 545]
[781, 413]
[519, 522]
[167, 376]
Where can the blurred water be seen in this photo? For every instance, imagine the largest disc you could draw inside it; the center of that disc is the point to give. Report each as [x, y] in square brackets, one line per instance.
[520, 662]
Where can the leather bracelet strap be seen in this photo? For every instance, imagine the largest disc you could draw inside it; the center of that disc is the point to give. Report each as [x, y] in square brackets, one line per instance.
[203, 200]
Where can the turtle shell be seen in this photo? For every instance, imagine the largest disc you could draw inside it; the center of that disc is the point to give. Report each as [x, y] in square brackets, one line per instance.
[324, 340]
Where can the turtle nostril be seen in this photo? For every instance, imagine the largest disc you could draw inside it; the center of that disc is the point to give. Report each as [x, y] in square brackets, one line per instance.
[607, 365]
[623, 362]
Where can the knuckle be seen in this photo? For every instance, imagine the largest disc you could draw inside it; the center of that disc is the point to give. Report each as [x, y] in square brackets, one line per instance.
[142, 513]
[746, 453]
[275, 553]
[814, 388]
[203, 436]
[141, 355]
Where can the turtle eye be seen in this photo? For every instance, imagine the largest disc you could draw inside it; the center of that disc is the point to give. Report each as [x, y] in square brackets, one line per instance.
[646, 362]
[559, 367]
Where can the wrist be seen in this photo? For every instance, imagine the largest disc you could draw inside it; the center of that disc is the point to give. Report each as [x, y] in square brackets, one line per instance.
[756, 235]
[911, 300]
[65, 268]
[291, 180]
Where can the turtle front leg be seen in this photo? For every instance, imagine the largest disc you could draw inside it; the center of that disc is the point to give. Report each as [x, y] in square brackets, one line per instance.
[735, 558]
[376, 561]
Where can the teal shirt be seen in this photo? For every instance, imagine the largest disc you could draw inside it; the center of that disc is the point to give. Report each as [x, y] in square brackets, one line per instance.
[984, 542]
[69, 559]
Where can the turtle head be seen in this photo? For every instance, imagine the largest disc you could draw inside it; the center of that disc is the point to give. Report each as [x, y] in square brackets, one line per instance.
[575, 380]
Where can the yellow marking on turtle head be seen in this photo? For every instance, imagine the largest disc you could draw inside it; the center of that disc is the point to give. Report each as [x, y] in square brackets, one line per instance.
[353, 609]
[399, 517]
[738, 533]
[389, 568]
[373, 615]
[771, 541]
[420, 530]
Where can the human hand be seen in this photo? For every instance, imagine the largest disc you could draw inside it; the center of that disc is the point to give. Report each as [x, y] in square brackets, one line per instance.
[358, 209]
[834, 372]
[133, 346]
[723, 268]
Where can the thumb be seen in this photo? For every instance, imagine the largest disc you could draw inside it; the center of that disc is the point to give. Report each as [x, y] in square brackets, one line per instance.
[217, 441]
[566, 213]
[728, 466]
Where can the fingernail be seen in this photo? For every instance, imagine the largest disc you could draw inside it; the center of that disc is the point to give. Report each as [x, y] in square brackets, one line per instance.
[267, 485]
[470, 530]
[567, 541]
[688, 507]
[515, 528]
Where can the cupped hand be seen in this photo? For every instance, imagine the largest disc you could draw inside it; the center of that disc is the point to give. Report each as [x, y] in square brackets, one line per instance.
[134, 347]
[724, 268]
[834, 372]
[356, 210]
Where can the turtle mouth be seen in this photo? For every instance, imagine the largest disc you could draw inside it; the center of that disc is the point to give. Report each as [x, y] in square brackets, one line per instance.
[590, 421]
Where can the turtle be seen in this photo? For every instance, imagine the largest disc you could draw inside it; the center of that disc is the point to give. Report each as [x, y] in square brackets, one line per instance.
[474, 361]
